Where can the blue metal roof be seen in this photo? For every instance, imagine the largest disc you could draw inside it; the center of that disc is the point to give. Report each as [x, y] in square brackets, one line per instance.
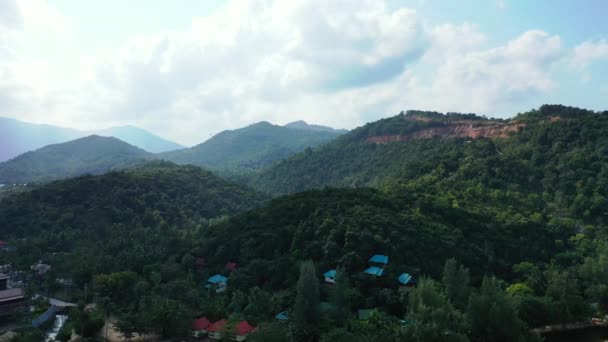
[218, 278]
[282, 316]
[406, 279]
[377, 271]
[330, 274]
[382, 259]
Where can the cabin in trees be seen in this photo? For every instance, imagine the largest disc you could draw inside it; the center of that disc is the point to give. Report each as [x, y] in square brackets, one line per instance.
[282, 316]
[406, 280]
[379, 260]
[217, 282]
[11, 299]
[199, 263]
[377, 264]
[330, 276]
[200, 326]
[240, 332]
[216, 329]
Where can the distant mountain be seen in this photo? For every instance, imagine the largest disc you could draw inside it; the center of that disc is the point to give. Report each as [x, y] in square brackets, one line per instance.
[252, 147]
[92, 154]
[304, 125]
[17, 137]
[140, 138]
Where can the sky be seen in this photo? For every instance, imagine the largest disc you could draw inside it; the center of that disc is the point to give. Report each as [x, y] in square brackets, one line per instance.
[187, 69]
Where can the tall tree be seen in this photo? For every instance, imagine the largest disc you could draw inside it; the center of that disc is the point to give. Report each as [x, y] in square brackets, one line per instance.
[493, 316]
[306, 310]
[456, 282]
[340, 298]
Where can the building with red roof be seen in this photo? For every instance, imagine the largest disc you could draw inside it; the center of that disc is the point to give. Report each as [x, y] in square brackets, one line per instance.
[242, 329]
[200, 326]
[216, 329]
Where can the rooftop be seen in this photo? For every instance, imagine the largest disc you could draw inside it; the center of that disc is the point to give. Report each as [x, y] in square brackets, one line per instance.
[376, 271]
[382, 259]
[406, 279]
[218, 278]
[201, 323]
[243, 328]
[282, 316]
[11, 294]
[330, 274]
[217, 326]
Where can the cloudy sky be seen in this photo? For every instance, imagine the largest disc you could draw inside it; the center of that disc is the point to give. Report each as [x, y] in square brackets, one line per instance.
[186, 69]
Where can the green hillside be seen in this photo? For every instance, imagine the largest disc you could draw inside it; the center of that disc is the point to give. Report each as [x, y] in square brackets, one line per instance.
[250, 148]
[89, 155]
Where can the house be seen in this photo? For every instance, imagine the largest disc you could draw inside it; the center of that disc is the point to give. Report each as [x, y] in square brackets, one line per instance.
[379, 260]
[231, 266]
[406, 279]
[200, 326]
[40, 268]
[216, 329]
[4, 246]
[374, 270]
[11, 299]
[242, 330]
[218, 282]
[330, 276]
[282, 316]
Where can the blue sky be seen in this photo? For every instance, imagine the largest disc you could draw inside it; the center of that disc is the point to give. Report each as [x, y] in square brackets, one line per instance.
[189, 68]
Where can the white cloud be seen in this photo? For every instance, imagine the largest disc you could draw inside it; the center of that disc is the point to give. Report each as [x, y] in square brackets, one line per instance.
[588, 52]
[339, 63]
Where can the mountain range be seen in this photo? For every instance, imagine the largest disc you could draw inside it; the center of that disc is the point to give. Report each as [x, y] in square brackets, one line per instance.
[242, 150]
[17, 137]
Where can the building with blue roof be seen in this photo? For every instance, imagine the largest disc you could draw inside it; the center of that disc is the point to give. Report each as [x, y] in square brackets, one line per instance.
[407, 279]
[218, 281]
[379, 259]
[282, 316]
[330, 276]
[374, 270]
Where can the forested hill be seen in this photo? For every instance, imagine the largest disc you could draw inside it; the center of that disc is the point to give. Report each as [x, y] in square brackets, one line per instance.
[252, 147]
[102, 206]
[556, 151]
[93, 155]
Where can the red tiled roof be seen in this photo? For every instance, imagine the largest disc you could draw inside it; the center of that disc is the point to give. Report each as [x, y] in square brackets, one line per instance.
[201, 323]
[217, 326]
[231, 265]
[243, 328]
[199, 261]
[2, 242]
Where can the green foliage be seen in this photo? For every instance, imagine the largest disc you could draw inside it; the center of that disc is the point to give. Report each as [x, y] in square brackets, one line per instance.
[456, 282]
[306, 315]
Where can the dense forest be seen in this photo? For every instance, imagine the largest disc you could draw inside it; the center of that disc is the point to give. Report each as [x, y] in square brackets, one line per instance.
[503, 232]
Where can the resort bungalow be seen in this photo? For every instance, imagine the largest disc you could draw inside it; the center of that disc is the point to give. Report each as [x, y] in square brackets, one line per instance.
[406, 279]
[242, 330]
[11, 299]
[379, 260]
[216, 329]
[374, 270]
[330, 276]
[218, 282]
[282, 316]
[200, 326]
